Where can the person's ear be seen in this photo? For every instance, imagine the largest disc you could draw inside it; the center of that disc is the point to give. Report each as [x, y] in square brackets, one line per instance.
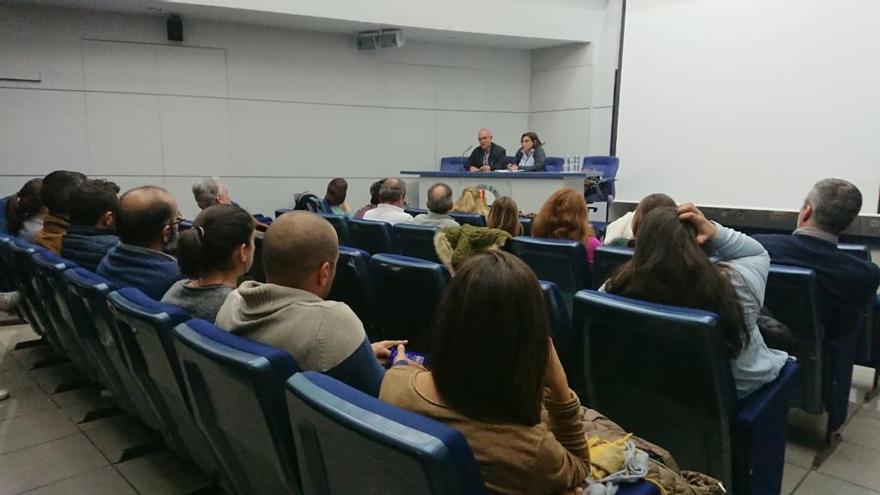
[108, 220]
[324, 274]
[167, 234]
[805, 214]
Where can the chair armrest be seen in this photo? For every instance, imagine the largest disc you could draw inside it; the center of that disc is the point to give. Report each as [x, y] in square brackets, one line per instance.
[640, 488]
[759, 433]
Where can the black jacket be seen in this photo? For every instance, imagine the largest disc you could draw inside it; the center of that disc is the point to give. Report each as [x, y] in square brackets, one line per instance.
[539, 160]
[87, 245]
[497, 158]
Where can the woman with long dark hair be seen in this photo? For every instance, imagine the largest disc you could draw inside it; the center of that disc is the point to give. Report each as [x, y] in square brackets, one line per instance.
[530, 157]
[671, 266]
[494, 375]
[213, 254]
[24, 211]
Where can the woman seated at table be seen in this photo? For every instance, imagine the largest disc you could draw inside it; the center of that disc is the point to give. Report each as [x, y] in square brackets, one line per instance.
[530, 157]
[495, 376]
[564, 216]
[471, 202]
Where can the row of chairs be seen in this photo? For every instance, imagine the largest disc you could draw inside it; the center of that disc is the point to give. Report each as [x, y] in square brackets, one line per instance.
[619, 369]
[240, 410]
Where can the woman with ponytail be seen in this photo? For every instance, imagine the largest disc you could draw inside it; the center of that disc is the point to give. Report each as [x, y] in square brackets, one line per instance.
[212, 255]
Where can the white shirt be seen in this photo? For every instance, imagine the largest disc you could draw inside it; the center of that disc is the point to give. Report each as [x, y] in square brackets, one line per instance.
[388, 213]
[528, 159]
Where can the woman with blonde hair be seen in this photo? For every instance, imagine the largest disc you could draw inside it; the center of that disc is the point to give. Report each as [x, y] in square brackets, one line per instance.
[471, 201]
[564, 216]
[504, 215]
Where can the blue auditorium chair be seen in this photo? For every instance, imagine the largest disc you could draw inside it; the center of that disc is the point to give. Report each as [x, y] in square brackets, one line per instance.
[415, 211]
[826, 355]
[663, 372]
[563, 335]
[527, 225]
[145, 327]
[559, 261]
[606, 259]
[7, 269]
[348, 441]
[452, 164]
[281, 211]
[353, 284]
[340, 224]
[468, 218]
[407, 291]
[371, 236]
[607, 166]
[89, 292]
[554, 163]
[22, 252]
[416, 241]
[49, 280]
[867, 352]
[236, 392]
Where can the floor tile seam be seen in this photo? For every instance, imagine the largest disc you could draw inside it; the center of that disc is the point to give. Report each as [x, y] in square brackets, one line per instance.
[801, 481]
[41, 411]
[109, 462]
[850, 482]
[41, 443]
[31, 490]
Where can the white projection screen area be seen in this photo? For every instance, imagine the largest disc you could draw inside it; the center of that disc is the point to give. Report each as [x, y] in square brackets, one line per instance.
[747, 103]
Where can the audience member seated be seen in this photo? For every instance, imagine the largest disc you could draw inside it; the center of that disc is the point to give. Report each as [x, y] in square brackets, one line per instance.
[504, 215]
[487, 156]
[671, 265]
[210, 191]
[374, 199]
[392, 196]
[213, 254]
[622, 232]
[439, 206]
[456, 245]
[471, 202]
[564, 216]
[24, 210]
[55, 195]
[337, 189]
[530, 156]
[494, 375]
[146, 225]
[24, 217]
[94, 205]
[846, 283]
[289, 312]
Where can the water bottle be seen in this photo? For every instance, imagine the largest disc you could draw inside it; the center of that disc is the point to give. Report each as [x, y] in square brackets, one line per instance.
[577, 163]
[567, 165]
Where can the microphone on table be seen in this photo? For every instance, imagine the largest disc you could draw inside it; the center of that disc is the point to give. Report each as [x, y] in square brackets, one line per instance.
[463, 153]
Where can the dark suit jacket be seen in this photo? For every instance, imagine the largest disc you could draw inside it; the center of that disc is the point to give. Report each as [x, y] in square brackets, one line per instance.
[846, 283]
[539, 160]
[497, 158]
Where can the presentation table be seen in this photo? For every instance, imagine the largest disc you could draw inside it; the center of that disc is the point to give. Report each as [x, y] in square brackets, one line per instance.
[528, 189]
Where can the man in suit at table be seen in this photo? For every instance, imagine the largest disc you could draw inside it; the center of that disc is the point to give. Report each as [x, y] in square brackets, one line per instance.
[487, 156]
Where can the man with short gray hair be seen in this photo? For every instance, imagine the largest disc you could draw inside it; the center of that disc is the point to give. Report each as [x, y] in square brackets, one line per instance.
[392, 196]
[439, 206]
[210, 191]
[846, 283]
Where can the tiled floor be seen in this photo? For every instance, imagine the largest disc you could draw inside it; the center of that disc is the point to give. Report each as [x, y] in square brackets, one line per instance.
[46, 448]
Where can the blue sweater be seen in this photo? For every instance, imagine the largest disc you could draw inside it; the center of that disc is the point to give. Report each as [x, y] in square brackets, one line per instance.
[133, 266]
[87, 245]
[846, 283]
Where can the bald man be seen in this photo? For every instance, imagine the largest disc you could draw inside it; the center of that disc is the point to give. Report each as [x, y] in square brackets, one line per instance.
[146, 225]
[289, 311]
[488, 155]
[392, 197]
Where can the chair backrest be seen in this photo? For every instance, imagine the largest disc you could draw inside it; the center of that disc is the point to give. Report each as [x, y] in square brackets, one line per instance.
[554, 163]
[452, 164]
[407, 291]
[661, 371]
[146, 327]
[340, 224]
[860, 251]
[353, 284]
[7, 264]
[416, 241]
[371, 236]
[23, 265]
[527, 225]
[350, 442]
[866, 344]
[792, 296]
[415, 211]
[236, 391]
[606, 259]
[559, 261]
[468, 218]
[560, 325]
[608, 166]
[281, 211]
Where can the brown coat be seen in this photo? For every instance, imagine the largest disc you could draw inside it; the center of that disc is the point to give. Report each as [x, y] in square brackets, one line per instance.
[53, 231]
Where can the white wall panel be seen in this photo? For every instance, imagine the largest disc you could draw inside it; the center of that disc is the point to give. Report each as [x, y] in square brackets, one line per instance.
[113, 66]
[506, 129]
[41, 131]
[409, 141]
[561, 88]
[600, 131]
[461, 89]
[255, 72]
[456, 131]
[562, 57]
[195, 135]
[124, 134]
[566, 132]
[191, 71]
[410, 86]
[358, 84]
[506, 87]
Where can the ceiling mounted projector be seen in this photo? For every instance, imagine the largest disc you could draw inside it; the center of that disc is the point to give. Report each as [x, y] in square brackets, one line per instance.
[387, 38]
